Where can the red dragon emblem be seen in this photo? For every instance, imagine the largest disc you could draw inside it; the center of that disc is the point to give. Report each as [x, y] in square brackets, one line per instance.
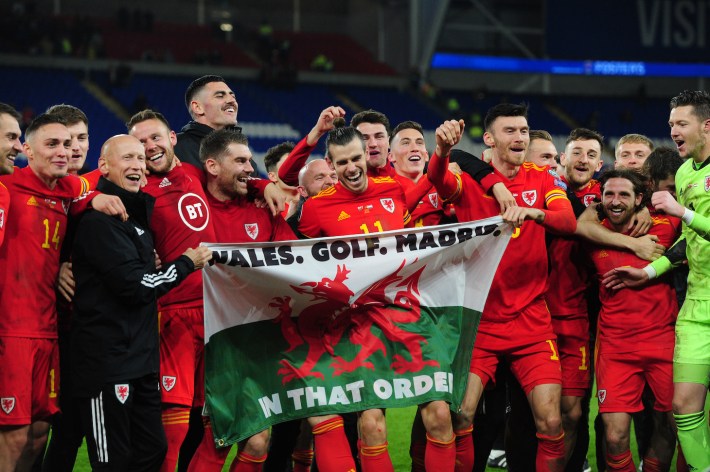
[121, 391]
[7, 404]
[322, 324]
[168, 382]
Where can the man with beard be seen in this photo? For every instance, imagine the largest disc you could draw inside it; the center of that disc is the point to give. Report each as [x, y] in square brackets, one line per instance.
[635, 340]
[515, 323]
[226, 157]
[690, 130]
[354, 205]
[10, 147]
[181, 219]
[212, 105]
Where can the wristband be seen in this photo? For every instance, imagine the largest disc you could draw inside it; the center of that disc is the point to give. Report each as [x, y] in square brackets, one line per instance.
[688, 216]
[650, 271]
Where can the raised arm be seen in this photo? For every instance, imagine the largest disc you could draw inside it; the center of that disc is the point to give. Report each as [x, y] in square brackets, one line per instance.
[288, 172]
[447, 136]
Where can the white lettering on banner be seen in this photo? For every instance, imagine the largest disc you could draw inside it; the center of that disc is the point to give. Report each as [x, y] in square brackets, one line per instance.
[271, 405]
[352, 392]
[339, 249]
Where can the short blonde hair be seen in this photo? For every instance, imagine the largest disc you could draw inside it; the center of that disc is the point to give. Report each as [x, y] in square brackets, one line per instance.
[634, 138]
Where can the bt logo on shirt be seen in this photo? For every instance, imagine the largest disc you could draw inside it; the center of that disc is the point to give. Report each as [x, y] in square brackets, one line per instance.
[193, 211]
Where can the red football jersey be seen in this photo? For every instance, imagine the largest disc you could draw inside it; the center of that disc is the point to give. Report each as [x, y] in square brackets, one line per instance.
[337, 211]
[385, 171]
[93, 178]
[633, 319]
[4, 208]
[35, 222]
[241, 221]
[570, 266]
[429, 209]
[521, 276]
[181, 219]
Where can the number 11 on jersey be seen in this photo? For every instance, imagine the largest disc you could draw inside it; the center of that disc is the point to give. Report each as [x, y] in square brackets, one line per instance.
[376, 224]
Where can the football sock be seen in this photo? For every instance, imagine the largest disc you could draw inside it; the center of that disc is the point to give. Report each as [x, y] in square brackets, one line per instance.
[694, 438]
[208, 458]
[332, 448]
[440, 455]
[302, 460]
[175, 424]
[464, 450]
[653, 465]
[623, 462]
[550, 452]
[375, 459]
[247, 463]
[417, 453]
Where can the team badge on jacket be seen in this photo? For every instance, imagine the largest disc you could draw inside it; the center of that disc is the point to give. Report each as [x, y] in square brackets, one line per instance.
[588, 199]
[601, 394]
[121, 392]
[252, 230]
[707, 183]
[387, 204]
[168, 382]
[434, 199]
[530, 197]
[7, 404]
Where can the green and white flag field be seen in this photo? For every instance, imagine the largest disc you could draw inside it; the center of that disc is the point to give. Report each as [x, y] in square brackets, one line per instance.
[305, 328]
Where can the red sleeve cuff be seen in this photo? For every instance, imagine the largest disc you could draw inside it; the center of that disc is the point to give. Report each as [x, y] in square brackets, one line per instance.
[490, 180]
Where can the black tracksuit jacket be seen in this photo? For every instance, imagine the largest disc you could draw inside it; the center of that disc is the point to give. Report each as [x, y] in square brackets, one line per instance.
[115, 324]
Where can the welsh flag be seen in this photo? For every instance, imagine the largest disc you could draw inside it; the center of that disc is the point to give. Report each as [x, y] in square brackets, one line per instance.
[305, 328]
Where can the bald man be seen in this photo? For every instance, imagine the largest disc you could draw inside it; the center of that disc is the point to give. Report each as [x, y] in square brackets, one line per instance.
[114, 350]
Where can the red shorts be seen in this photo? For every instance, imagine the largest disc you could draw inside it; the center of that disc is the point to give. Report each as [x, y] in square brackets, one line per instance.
[621, 378]
[573, 342]
[29, 380]
[182, 346]
[526, 341]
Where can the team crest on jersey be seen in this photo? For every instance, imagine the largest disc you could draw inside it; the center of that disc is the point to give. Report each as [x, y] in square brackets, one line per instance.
[434, 199]
[387, 204]
[601, 394]
[7, 404]
[2, 217]
[252, 230]
[121, 392]
[707, 183]
[588, 199]
[529, 197]
[168, 382]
